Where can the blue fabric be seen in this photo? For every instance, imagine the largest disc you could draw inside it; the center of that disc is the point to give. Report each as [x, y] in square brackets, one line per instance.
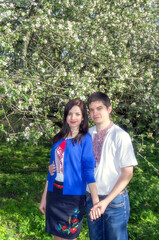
[113, 223]
[79, 163]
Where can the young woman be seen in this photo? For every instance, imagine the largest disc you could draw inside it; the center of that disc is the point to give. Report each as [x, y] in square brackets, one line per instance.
[63, 199]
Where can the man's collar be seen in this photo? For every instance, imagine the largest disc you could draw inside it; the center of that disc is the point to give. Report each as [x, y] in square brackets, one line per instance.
[103, 130]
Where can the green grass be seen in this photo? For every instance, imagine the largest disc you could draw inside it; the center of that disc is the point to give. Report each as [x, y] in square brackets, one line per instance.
[144, 196]
[23, 171]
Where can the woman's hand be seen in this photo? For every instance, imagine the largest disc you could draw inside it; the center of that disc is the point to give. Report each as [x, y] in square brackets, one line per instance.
[98, 209]
[52, 169]
[42, 206]
[95, 213]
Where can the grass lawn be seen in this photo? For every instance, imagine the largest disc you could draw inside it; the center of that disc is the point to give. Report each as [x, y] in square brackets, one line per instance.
[23, 172]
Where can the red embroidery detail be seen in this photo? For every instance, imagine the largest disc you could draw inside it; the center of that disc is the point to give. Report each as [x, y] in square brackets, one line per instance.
[98, 142]
[60, 157]
[74, 220]
[73, 230]
[64, 227]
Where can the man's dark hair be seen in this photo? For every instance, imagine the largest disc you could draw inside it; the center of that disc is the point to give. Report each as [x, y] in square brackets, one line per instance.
[99, 96]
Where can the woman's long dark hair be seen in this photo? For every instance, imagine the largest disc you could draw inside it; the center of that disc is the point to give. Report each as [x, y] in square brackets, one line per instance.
[66, 129]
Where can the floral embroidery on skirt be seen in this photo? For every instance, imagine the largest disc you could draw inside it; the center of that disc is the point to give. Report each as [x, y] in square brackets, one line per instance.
[72, 223]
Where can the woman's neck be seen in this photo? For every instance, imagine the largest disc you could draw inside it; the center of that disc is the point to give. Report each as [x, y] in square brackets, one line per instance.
[73, 133]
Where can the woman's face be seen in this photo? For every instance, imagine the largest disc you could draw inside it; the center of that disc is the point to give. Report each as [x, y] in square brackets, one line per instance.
[74, 117]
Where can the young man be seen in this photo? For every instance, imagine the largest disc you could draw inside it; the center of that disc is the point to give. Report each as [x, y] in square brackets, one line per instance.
[115, 159]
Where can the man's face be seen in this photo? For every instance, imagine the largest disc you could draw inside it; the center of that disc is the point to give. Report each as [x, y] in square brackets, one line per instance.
[99, 112]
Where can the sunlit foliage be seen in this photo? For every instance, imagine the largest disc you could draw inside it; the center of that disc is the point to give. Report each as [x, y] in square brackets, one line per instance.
[52, 51]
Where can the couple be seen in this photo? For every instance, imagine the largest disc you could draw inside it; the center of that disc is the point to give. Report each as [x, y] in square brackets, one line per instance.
[98, 165]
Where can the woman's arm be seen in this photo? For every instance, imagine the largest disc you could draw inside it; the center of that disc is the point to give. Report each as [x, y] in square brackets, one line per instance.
[94, 193]
[42, 206]
[95, 199]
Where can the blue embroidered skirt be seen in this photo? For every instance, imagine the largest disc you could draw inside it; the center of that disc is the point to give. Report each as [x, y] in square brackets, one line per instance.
[64, 213]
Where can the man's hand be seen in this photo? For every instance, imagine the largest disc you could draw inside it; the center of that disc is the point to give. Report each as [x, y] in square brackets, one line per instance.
[98, 209]
[52, 169]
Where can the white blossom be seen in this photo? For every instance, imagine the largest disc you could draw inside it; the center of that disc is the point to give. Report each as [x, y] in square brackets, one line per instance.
[93, 52]
[60, 26]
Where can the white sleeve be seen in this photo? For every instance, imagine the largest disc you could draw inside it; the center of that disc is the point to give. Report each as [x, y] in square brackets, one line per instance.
[125, 151]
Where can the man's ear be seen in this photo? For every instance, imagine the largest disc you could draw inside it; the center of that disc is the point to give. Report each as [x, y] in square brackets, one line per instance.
[109, 109]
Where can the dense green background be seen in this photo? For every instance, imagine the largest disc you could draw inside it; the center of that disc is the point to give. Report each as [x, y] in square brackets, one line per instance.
[23, 171]
[52, 51]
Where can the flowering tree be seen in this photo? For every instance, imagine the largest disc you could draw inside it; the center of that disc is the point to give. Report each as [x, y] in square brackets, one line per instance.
[52, 51]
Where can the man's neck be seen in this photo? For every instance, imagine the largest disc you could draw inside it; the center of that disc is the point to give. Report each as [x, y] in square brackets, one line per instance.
[102, 126]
